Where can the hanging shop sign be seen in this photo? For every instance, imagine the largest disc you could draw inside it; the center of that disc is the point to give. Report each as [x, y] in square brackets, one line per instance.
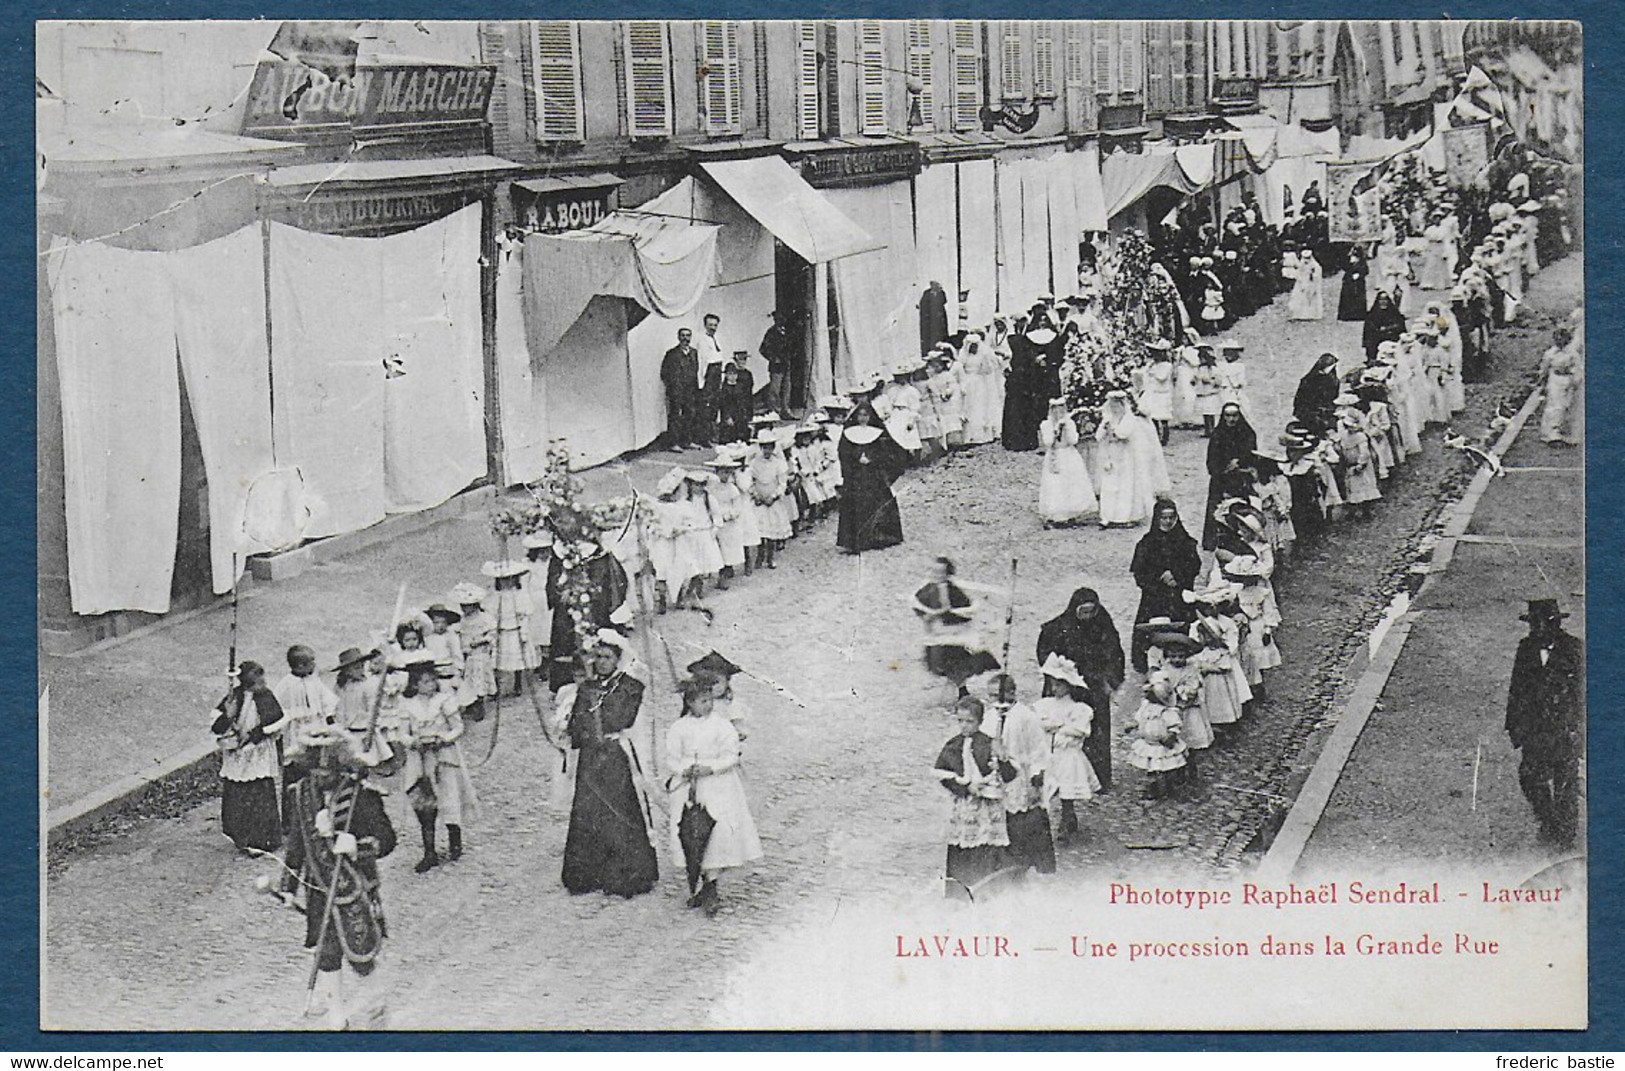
[295, 102]
[860, 165]
[368, 213]
[555, 205]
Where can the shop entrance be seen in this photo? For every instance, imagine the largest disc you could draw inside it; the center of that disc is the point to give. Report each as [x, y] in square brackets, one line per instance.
[793, 297]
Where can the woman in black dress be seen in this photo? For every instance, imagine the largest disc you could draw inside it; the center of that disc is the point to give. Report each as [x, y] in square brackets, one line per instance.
[1314, 405]
[871, 461]
[1021, 386]
[1351, 301]
[1086, 634]
[1384, 323]
[1230, 451]
[1166, 563]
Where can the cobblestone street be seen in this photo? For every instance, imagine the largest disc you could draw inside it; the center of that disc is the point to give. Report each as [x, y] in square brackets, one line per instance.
[157, 923]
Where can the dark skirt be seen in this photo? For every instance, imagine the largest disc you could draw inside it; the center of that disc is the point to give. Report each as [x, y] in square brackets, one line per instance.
[607, 847]
[1097, 747]
[248, 814]
[1351, 300]
[958, 663]
[869, 519]
[970, 865]
[1031, 843]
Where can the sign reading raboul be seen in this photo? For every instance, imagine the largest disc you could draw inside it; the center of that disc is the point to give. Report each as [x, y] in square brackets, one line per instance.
[295, 102]
[564, 203]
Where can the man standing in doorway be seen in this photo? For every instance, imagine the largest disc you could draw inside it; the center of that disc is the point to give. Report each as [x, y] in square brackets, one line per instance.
[775, 351]
[680, 374]
[713, 359]
[1546, 720]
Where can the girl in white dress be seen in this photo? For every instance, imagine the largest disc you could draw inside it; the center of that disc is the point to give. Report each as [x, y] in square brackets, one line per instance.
[1443, 320]
[702, 755]
[1069, 720]
[1157, 389]
[1065, 493]
[1158, 744]
[979, 370]
[1187, 359]
[697, 540]
[1207, 388]
[726, 504]
[1122, 499]
[1306, 300]
[660, 533]
[948, 390]
[1231, 372]
[767, 477]
[438, 784]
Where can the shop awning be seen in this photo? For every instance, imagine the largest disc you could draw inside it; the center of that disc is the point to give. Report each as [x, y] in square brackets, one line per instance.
[446, 170]
[98, 146]
[1126, 177]
[564, 183]
[663, 264]
[770, 191]
[1250, 122]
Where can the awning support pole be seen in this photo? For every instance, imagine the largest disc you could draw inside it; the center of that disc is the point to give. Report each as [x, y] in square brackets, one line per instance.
[823, 363]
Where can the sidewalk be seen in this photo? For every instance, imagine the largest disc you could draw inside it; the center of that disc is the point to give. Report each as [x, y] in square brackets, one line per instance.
[1433, 774]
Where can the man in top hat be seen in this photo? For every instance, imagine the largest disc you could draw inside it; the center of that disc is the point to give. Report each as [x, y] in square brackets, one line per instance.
[1546, 720]
[340, 831]
[680, 375]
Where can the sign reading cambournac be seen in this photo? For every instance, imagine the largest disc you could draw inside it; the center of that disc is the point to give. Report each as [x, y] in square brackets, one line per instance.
[293, 102]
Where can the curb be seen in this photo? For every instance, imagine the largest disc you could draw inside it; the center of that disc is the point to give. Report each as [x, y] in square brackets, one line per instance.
[126, 791]
[1287, 849]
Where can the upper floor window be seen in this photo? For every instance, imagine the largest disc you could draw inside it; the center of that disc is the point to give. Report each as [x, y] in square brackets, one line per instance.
[555, 49]
[648, 79]
[723, 88]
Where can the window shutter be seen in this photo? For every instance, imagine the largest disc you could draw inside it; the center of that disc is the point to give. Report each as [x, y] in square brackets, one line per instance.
[1044, 59]
[493, 50]
[807, 80]
[555, 48]
[967, 76]
[920, 66]
[1012, 78]
[1075, 59]
[1158, 67]
[720, 42]
[1129, 70]
[1105, 70]
[1195, 72]
[872, 76]
[648, 79]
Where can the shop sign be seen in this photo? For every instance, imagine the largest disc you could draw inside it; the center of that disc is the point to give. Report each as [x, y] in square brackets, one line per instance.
[570, 211]
[375, 213]
[293, 101]
[861, 165]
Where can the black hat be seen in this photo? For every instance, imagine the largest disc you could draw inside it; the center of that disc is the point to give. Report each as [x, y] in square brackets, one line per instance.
[1542, 610]
[352, 655]
[440, 609]
[713, 663]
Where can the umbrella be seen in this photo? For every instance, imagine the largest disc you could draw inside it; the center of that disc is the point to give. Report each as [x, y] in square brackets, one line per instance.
[694, 834]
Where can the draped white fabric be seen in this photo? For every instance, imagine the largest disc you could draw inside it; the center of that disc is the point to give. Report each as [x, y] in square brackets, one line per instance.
[524, 399]
[1063, 224]
[219, 295]
[1035, 229]
[978, 236]
[327, 374]
[434, 410]
[378, 398]
[121, 425]
[589, 389]
[1196, 161]
[936, 207]
[874, 291]
[1012, 282]
[1091, 199]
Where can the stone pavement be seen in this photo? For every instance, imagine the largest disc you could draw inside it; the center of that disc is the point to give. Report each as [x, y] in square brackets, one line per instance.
[1433, 773]
[161, 924]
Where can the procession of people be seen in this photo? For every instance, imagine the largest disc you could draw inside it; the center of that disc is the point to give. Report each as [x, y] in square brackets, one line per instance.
[1095, 386]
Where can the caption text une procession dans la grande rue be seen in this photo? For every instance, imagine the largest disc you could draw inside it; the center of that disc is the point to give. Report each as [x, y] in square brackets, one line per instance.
[1125, 897]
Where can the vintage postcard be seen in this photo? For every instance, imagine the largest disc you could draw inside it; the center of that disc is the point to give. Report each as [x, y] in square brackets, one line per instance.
[826, 524]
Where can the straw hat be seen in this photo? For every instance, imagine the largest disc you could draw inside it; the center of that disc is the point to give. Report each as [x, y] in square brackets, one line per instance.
[765, 437]
[670, 483]
[466, 594]
[440, 609]
[538, 540]
[1062, 668]
[352, 655]
[504, 568]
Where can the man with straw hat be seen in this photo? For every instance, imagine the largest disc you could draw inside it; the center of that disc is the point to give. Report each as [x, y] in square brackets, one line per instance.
[1546, 720]
[340, 830]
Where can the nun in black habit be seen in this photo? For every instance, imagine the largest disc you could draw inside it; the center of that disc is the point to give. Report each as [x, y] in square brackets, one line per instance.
[1384, 323]
[1315, 403]
[871, 460]
[1021, 386]
[1230, 451]
[1086, 634]
[1165, 566]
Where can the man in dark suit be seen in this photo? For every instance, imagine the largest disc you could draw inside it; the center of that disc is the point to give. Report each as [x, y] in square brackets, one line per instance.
[680, 374]
[1546, 720]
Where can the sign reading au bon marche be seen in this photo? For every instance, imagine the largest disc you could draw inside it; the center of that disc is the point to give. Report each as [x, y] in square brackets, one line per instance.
[290, 101]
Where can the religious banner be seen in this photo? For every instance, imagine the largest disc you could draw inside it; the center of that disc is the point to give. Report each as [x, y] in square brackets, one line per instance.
[1467, 153]
[1351, 213]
